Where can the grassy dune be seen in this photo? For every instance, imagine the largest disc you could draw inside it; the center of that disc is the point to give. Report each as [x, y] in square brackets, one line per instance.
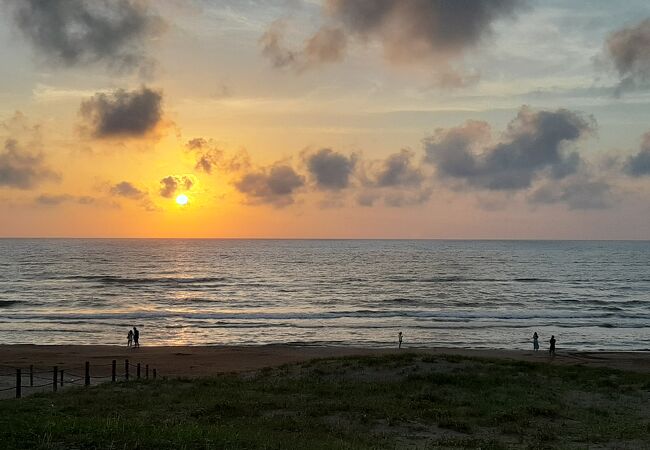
[404, 401]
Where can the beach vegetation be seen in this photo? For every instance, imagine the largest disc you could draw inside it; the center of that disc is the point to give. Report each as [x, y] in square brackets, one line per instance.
[376, 402]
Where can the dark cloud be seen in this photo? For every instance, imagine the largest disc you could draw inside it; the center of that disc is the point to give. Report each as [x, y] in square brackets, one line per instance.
[628, 50]
[410, 31]
[21, 168]
[171, 184]
[398, 170]
[275, 185]
[413, 29]
[639, 164]
[533, 145]
[330, 170]
[123, 113]
[126, 189]
[578, 193]
[397, 180]
[209, 156]
[54, 200]
[77, 32]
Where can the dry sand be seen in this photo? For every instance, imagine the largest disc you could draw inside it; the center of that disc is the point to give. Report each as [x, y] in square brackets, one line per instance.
[207, 360]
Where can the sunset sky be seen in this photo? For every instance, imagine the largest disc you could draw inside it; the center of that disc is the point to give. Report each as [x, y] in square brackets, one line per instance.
[325, 118]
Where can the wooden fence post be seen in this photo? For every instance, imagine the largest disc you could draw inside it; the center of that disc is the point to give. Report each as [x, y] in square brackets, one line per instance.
[113, 367]
[19, 384]
[126, 369]
[55, 377]
[138, 371]
[87, 374]
[154, 374]
[146, 371]
[31, 375]
[61, 377]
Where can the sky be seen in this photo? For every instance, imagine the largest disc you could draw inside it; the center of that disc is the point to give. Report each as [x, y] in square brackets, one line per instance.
[464, 119]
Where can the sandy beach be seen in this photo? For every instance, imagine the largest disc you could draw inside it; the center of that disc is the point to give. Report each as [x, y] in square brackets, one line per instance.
[196, 361]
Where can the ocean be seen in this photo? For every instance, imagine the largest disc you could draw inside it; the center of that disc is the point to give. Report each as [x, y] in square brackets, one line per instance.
[592, 295]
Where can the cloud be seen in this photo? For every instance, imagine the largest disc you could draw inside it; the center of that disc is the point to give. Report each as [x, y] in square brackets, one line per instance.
[209, 156]
[54, 200]
[123, 113]
[126, 189]
[398, 170]
[368, 198]
[171, 184]
[414, 29]
[21, 168]
[533, 145]
[326, 46]
[400, 199]
[273, 48]
[396, 179]
[628, 50]
[197, 144]
[639, 164]
[275, 185]
[577, 193]
[409, 31]
[81, 32]
[330, 170]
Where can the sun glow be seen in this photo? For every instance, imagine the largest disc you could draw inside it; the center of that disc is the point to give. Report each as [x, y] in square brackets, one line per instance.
[182, 200]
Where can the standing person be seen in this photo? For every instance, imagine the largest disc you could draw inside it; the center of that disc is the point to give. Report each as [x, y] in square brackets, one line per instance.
[399, 338]
[136, 337]
[551, 349]
[129, 338]
[535, 341]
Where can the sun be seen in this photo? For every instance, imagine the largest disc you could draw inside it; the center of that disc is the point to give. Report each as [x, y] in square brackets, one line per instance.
[182, 200]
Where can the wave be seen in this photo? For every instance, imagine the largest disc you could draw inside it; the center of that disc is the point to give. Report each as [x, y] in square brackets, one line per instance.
[8, 303]
[533, 280]
[112, 279]
[462, 279]
[416, 315]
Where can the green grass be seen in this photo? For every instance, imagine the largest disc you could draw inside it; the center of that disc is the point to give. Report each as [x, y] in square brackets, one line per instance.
[404, 401]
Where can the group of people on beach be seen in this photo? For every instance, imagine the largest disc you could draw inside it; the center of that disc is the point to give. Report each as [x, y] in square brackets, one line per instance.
[551, 348]
[133, 338]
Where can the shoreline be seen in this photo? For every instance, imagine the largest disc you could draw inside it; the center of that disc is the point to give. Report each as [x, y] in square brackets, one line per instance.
[199, 361]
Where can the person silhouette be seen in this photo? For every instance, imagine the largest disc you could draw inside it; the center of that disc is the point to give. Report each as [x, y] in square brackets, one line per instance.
[129, 338]
[136, 337]
[535, 341]
[399, 338]
[551, 349]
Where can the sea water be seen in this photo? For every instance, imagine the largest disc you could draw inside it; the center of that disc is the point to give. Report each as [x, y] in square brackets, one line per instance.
[591, 295]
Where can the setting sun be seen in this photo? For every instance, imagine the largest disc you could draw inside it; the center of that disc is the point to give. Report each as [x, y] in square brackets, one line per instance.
[182, 200]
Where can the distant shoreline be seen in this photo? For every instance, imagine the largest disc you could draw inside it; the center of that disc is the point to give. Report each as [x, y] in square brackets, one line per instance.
[198, 361]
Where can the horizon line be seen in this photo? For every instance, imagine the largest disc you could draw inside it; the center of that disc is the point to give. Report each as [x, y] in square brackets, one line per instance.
[323, 239]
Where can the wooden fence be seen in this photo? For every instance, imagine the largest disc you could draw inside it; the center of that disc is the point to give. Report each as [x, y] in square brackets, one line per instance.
[58, 377]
